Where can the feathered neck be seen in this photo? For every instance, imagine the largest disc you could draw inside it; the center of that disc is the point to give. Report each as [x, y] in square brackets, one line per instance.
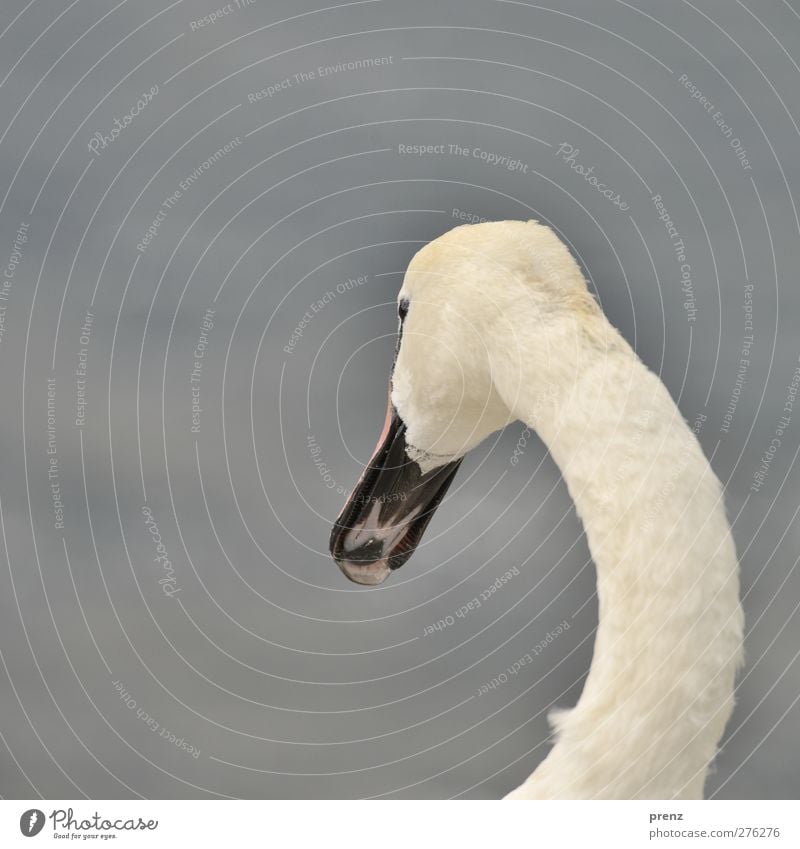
[660, 687]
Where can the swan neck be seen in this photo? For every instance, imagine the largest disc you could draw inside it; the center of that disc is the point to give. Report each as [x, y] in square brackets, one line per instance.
[660, 686]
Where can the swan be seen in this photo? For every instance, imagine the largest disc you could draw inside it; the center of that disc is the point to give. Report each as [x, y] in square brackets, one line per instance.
[497, 324]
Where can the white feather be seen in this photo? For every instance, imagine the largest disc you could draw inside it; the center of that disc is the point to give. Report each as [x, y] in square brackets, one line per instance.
[500, 327]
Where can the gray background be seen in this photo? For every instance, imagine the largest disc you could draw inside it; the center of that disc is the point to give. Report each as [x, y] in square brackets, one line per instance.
[289, 680]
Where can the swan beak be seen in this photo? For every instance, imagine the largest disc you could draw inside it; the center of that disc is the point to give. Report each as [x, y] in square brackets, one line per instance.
[383, 520]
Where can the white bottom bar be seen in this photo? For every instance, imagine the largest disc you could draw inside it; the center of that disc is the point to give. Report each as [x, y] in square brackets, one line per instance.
[401, 825]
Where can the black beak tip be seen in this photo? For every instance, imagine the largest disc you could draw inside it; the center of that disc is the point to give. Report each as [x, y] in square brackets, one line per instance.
[365, 574]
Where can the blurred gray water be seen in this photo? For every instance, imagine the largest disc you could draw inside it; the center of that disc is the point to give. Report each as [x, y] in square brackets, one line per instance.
[197, 331]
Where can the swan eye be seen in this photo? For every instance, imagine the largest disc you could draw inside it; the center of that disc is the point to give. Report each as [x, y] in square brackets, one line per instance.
[402, 311]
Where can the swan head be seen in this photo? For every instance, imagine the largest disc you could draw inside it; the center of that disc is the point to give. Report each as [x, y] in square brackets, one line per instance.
[477, 306]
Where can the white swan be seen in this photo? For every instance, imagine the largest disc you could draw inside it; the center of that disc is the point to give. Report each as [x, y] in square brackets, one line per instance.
[497, 324]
